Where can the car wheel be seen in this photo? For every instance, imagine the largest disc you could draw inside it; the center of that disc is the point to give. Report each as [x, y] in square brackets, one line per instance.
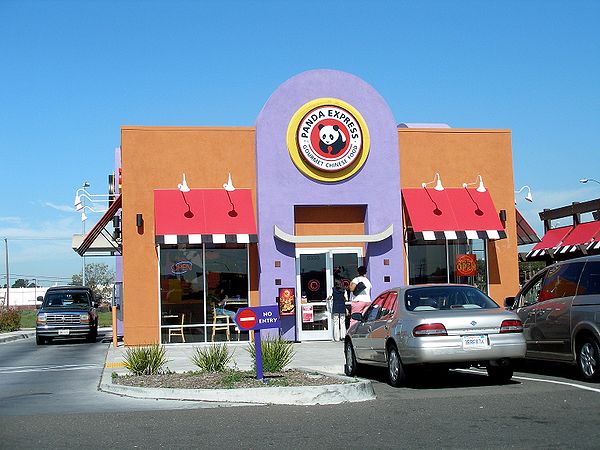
[351, 366]
[93, 335]
[588, 360]
[396, 372]
[39, 340]
[500, 373]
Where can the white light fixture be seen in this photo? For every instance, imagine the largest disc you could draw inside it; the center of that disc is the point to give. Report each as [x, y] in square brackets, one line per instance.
[585, 180]
[183, 187]
[438, 185]
[480, 188]
[528, 197]
[83, 216]
[229, 185]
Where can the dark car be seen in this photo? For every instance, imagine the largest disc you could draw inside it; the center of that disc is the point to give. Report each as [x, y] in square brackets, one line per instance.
[560, 311]
[67, 312]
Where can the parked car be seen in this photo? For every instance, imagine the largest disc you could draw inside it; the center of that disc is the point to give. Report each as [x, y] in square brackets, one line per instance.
[66, 312]
[560, 310]
[440, 325]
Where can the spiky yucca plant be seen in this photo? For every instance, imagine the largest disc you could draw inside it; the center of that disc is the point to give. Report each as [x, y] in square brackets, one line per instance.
[276, 354]
[146, 360]
[212, 359]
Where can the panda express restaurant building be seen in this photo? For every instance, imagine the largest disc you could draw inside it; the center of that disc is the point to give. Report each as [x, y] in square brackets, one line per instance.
[324, 182]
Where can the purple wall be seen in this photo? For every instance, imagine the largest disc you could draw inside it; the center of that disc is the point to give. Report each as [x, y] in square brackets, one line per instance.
[280, 185]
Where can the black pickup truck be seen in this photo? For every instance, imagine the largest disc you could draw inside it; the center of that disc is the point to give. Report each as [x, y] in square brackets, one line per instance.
[67, 312]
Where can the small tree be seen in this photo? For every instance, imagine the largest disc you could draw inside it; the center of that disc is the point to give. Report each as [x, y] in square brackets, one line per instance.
[20, 283]
[98, 277]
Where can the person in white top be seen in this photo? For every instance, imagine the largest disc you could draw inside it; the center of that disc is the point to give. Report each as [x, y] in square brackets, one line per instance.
[361, 297]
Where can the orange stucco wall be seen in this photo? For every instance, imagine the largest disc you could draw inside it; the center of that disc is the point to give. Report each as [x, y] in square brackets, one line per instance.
[459, 155]
[156, 158]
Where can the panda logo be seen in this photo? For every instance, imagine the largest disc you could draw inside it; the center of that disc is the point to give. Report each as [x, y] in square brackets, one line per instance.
[331, 139]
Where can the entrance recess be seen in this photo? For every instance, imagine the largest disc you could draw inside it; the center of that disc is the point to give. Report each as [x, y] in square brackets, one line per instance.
[315, 272]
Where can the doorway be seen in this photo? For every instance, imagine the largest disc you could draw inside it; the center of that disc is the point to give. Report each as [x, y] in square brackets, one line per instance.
[315, 272]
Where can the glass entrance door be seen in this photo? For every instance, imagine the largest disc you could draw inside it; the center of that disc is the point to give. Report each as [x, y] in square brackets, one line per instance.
[315, 272]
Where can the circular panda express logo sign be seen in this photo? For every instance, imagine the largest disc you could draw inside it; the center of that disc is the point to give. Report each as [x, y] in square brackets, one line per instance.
[328, 139]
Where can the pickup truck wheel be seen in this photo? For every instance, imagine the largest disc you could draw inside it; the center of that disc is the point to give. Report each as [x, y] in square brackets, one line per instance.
[588, 359]
[93, 335]
[39, 340]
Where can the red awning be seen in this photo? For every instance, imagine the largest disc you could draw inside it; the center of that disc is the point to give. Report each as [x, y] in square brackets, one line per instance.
[583, 236]
[525, 233]
[204, 216]
[551, 241]
[454, 213]
[97, 229]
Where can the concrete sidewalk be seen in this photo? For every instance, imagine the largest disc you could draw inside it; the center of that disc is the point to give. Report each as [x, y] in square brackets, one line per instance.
[25, 333]
[323, 357]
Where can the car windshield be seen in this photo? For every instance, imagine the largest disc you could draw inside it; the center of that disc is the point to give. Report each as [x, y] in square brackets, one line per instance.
[447, 297]
[69, 299]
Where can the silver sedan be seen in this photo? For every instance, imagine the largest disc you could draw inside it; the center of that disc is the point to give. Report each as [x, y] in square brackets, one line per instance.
[445, 325]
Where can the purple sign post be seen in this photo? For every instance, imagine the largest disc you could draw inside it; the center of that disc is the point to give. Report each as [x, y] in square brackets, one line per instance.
[258, 318]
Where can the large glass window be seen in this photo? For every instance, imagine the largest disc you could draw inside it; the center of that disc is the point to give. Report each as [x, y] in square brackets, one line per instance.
[448, 261]
[590, 279]
[201, 289]
[561, 281]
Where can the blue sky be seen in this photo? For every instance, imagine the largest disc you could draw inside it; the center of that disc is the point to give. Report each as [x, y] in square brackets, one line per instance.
[73, 72]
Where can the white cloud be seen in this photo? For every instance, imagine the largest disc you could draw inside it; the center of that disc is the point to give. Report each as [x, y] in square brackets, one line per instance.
[10, 219]
[64, 208]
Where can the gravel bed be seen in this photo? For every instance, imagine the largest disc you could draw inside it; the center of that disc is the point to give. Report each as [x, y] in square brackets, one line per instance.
[227, 380]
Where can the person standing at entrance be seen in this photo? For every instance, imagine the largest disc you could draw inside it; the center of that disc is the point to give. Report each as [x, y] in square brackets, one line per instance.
[361, 292]
[338, 309]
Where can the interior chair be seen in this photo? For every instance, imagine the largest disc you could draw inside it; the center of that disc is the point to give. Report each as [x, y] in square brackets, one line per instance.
[177, 331]
[220, 322]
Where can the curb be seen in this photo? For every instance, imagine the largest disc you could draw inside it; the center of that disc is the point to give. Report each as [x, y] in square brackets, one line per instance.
[359, 391]
[17, 336]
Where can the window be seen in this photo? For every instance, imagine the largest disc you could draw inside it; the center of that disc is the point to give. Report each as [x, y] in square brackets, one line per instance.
[447, 297]
[374, 311]
[532, 293]
[435, 262]
[561, 281]
[194, 282]
[590, 279]
[390, 305]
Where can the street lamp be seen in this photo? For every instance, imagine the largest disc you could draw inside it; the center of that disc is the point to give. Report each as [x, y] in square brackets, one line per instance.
[7, 271]
[585, 180]
[528, 197]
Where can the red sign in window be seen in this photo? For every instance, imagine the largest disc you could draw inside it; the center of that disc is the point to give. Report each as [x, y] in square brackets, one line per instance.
[466, 265]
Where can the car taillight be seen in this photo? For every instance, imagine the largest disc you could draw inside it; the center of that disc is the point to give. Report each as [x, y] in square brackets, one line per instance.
[511, 326]
[430, 329]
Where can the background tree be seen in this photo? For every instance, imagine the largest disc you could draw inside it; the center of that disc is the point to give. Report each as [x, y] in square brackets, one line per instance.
[99, 278]
[20, 283]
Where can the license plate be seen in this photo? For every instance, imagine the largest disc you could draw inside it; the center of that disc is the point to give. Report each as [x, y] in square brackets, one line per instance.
[475, 342]
[63, 332]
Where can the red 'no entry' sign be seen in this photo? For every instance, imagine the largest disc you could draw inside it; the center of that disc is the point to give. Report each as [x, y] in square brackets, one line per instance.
[246, 319]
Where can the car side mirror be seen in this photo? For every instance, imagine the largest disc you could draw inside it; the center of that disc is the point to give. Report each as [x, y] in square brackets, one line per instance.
[509, 302]
[357, 316]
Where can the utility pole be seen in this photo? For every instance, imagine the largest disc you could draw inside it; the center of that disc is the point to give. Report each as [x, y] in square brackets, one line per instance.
[7, 271]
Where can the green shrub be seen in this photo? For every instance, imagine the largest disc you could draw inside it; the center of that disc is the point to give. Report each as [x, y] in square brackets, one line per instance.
[212, 359]
[146, 360]
[276, 354]
[10, 319]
